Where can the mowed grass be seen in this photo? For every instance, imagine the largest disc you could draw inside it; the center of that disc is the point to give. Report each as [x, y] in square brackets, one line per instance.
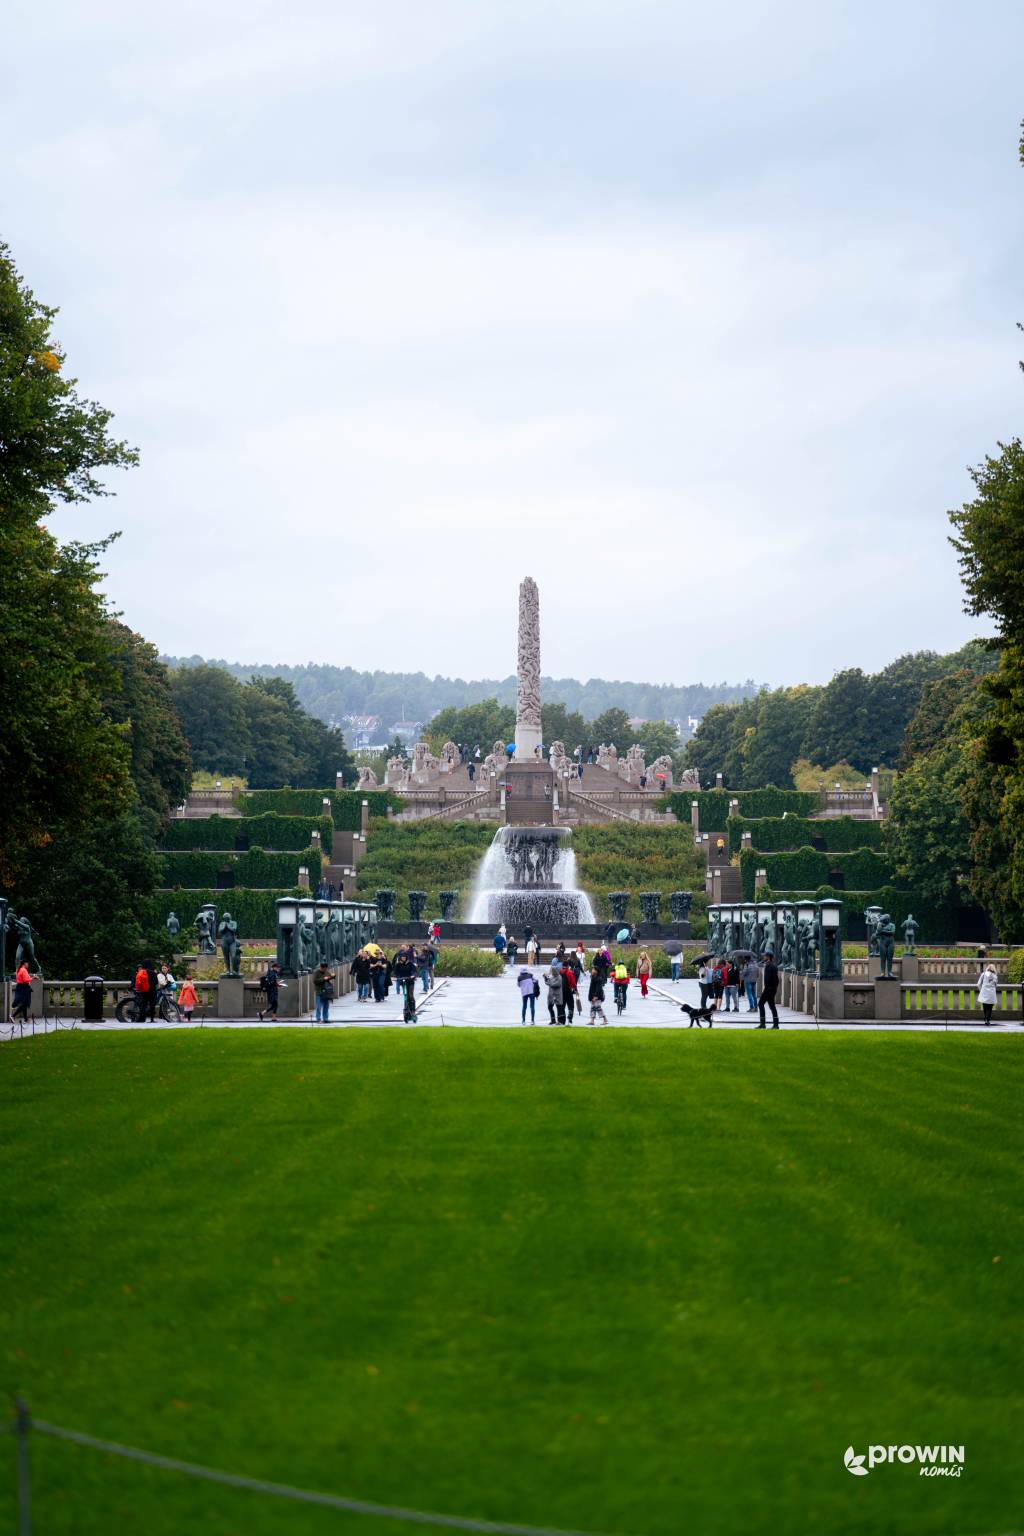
[641, 1283]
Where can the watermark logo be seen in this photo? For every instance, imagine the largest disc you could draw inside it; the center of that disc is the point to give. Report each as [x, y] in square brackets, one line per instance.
[931, 1460]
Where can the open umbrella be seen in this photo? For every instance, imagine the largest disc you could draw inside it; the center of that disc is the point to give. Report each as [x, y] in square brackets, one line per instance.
[741, 954]
[703, 959]
[672, 947]
[373, 949]
[622, 937]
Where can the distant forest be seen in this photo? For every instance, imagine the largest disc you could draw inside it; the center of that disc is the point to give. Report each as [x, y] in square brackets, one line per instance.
[331, 692]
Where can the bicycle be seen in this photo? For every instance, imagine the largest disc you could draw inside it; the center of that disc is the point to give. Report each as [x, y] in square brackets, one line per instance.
[131, 1009]
[620, 999]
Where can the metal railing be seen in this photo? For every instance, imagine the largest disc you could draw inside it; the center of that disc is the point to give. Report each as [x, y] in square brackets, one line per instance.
[24, 1425]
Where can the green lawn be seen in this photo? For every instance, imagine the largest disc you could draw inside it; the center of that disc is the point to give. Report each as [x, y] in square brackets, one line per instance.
[632, 1283]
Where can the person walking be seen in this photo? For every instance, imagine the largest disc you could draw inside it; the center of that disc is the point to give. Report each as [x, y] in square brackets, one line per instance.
[987, 991]
[528, 990]
[704, 982]
[379, 977]
[511, 950]
[533, 950]
[500, 941]
[620, 985]
[580, 954]
[570, 991]
[425, 964]
[22, 993]
[323, 985]
[188, 998]
[718, 982]
[676, 965]
[360, 974]
[595, 994]
[769, 989]
[556, 1002]
[643, 971]
[404, 971]
[271, 981]
[732, 987]
[748, 976]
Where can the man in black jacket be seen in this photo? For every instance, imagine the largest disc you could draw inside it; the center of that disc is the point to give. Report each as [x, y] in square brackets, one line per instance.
[769, 988]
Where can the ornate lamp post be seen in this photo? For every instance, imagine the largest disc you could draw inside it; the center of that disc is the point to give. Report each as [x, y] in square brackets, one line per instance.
[830, 956]
[287, 918]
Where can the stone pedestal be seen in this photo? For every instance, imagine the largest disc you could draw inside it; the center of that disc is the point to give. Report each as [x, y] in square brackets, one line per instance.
[530, 795]
[828, 999]
[910, 968]
[887, 999]
[231, 998]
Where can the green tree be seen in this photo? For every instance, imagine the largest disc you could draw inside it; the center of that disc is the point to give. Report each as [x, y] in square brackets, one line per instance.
[989, 538]
[710, 744]
[141, 703]
[926, 833]
[613, 728]
[51, 441]
[478, 725]
[88, 893]
[658, 738]
[62, 761]
[211, 706]
[770, 748]
[561, 724]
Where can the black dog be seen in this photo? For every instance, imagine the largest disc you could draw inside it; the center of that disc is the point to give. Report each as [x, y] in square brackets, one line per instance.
[697, 1014]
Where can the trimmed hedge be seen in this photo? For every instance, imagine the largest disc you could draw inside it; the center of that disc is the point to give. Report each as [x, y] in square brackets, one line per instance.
[256, 869]
[346, 804]
[431, 856]
[936, 925]
[634, 857]
[806, 869]
[714, 804]
[843, 834]
[269, 831]
[254, 911]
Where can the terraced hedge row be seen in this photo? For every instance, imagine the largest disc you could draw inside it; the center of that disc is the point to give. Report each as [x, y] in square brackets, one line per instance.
[806, 869]
[256, 869]
[843, 834]
[346, 804]
[714, 804]
[270, 831]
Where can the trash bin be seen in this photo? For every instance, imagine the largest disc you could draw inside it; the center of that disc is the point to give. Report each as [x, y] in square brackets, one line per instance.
[92, 999]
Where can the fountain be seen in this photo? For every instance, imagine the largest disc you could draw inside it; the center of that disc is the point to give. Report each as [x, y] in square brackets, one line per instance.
[528, 880]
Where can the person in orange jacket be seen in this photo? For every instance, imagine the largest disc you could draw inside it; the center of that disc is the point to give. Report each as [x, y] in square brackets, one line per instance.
[188, 998]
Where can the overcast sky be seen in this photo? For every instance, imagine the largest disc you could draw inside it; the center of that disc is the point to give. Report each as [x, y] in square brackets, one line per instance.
[697, 313]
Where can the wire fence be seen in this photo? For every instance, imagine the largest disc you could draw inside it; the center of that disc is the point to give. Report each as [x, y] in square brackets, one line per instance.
[24, 1425]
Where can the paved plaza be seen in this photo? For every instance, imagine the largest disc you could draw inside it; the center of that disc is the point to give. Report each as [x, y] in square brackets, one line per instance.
[494, 1003]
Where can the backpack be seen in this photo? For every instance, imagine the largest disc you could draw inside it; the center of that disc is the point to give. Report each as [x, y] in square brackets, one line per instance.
[536, 987]
[141, 981]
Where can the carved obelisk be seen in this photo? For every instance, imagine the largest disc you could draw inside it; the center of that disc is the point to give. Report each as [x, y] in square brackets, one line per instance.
[529, 781]
[528, 730]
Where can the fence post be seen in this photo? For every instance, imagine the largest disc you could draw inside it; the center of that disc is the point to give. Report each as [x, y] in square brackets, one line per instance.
[22, 1425]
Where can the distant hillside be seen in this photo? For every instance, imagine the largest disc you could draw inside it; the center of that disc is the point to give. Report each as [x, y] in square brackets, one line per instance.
[332, 692]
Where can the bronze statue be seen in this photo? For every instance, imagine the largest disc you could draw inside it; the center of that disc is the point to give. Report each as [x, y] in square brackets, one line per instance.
[204, 929]
[27, 936]
[173, 926]
[789, 941]
[909, 934]
[885, 935]
[227, 933]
